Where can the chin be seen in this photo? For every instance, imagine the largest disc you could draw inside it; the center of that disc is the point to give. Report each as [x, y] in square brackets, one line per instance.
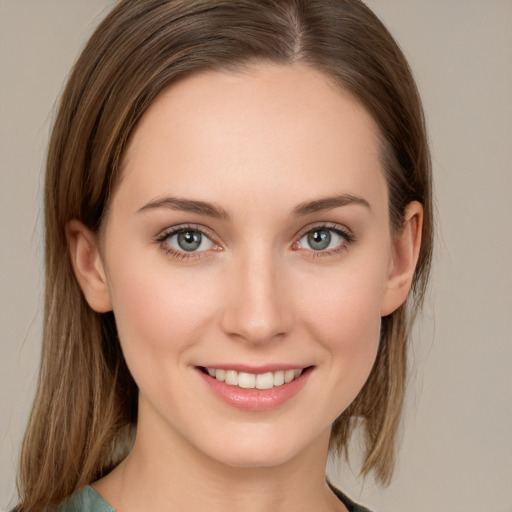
[255, 461]
[263, 451]
[260, 459]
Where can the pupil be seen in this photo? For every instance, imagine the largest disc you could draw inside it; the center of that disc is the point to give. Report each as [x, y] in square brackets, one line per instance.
[319, 240]
[189, 240]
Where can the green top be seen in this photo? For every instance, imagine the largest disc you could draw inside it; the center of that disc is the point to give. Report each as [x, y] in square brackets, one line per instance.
[88, 500]
[85, 500]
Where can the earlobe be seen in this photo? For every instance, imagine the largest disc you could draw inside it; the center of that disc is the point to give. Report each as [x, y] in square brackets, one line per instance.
[406, 248]
[88, 266]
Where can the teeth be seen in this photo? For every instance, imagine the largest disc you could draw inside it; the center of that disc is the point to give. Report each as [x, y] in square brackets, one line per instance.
[265, 380]
[246, 380]
[289, 375]
[278, 378]
[231, 377]
[252, 380]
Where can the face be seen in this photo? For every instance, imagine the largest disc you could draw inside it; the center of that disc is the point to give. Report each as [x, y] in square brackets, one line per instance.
[248, 242]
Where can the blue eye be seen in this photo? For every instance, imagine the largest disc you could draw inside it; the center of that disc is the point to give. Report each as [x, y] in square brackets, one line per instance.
[188, 240]
[324, 239]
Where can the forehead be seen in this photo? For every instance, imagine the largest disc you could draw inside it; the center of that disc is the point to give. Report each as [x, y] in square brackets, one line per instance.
[264, 129]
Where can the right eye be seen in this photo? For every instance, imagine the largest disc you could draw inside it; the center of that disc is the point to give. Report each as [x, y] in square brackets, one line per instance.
[188, 240]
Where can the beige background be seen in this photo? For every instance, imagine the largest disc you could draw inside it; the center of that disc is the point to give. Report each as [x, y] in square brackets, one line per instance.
[457, 448]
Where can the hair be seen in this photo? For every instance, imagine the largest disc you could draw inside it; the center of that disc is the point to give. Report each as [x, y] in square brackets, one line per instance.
[86, 399]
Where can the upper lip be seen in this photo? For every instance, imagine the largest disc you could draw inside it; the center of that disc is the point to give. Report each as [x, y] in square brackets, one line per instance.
[256, 369]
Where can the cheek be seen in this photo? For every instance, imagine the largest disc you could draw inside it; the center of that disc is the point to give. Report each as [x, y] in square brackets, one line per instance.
[345, 307]
[159, 311]
[343, 315]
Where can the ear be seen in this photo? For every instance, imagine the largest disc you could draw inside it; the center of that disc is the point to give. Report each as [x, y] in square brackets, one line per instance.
[88, 266]
[406, 249]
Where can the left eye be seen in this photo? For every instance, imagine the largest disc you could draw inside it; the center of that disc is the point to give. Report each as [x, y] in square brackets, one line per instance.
[188, 240]
[322, 239]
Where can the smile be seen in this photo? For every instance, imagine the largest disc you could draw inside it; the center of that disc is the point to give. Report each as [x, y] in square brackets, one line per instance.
[255, 389]
[267, 380]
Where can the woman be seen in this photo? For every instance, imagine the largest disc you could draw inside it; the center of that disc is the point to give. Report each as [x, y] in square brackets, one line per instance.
[238, 203]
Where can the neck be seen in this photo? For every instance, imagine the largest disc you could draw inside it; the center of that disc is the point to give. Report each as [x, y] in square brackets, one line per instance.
[164, 472]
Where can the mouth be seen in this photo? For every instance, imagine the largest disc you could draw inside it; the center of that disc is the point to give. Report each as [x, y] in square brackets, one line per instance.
[246, 380]
[255, 389]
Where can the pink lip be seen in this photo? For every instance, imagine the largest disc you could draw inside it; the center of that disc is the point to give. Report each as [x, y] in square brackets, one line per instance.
[255, 399]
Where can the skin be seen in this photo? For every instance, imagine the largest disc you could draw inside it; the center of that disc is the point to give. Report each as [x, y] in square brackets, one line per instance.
[257, 144]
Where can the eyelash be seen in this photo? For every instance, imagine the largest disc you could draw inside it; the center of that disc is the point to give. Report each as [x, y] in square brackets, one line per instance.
[183, 255]
[345, 234]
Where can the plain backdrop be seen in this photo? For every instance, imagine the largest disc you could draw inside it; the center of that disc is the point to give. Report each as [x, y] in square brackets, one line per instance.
[456, 450]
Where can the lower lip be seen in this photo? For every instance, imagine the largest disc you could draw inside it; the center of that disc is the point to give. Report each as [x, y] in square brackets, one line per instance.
[256, 399]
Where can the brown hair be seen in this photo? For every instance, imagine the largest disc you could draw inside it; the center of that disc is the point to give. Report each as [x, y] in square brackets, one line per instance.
[86, 400]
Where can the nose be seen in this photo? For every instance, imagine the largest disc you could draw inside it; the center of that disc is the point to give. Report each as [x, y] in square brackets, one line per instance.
[256, 308]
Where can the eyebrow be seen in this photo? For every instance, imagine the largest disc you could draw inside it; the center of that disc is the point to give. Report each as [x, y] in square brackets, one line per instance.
[215, 211]
[187, 205]
[329, 203]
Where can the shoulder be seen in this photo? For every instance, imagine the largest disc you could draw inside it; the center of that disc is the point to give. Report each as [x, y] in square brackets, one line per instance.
[351, 506]
[85, 500]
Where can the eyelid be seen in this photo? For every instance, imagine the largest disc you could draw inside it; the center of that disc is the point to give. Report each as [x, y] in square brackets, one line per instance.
[339, 228]
[184, 255]
[172, 230]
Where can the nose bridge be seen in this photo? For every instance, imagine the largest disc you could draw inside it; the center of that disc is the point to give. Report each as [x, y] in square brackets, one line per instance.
[256, 309]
